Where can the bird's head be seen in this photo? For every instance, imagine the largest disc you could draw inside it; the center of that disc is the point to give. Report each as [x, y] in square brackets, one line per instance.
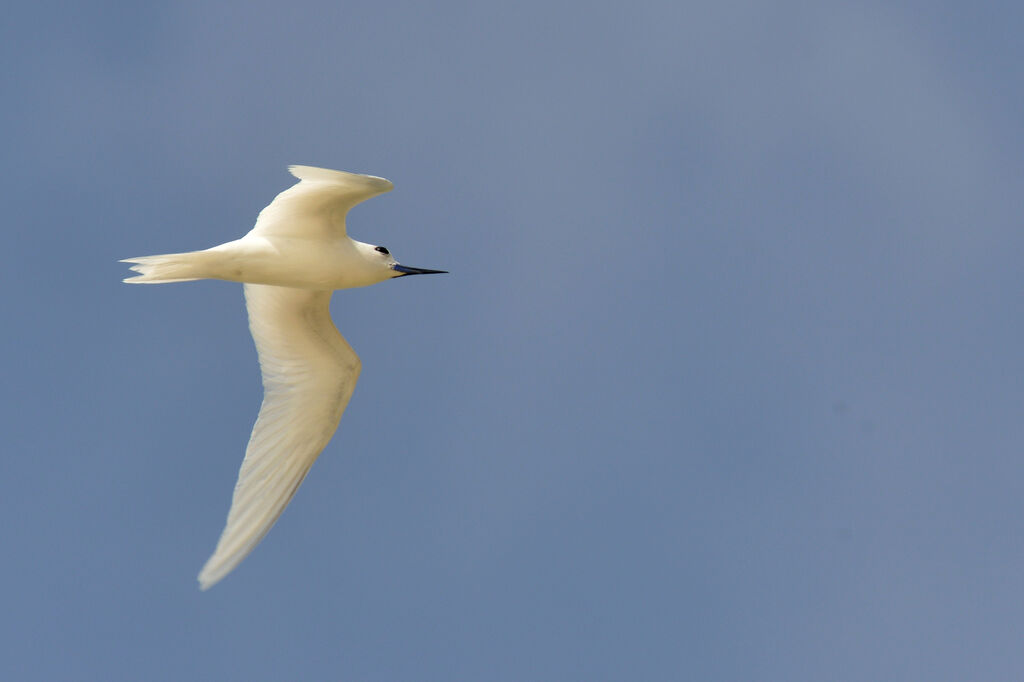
[388, 267]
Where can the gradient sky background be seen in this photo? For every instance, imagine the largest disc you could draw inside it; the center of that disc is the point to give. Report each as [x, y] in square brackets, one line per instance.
[725, 383]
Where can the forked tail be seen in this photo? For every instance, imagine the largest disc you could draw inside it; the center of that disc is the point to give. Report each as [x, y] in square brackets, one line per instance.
[171, 267]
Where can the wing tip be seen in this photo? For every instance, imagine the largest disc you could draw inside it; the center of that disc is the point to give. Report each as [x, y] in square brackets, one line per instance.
[210, 575]
[315, 174]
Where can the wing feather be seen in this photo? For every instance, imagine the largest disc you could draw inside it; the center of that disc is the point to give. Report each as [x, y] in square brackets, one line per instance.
[309, 373]
[316, 206]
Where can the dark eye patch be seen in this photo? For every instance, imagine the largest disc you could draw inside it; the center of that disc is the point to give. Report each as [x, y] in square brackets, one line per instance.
[382, 249]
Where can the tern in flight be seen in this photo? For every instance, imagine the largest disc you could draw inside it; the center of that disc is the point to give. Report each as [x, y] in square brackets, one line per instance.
[291, 261]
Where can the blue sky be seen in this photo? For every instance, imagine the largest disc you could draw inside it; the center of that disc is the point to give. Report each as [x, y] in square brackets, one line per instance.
[724, 384]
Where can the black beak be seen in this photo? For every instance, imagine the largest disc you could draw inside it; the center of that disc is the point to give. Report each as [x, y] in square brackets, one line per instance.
[416, 271]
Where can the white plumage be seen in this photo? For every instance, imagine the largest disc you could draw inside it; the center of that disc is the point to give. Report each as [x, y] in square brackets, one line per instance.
[294, 257]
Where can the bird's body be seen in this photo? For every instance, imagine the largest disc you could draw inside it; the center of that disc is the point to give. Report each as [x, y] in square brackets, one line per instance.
[294, 257]
[281, 261]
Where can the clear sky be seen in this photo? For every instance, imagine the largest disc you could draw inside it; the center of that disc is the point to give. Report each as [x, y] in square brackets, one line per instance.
[724, 384]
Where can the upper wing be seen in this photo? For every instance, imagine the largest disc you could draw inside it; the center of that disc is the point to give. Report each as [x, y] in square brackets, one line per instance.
[309, 372]
[315, 207]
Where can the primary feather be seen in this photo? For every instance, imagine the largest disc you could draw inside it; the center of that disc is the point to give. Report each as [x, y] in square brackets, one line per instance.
[309, 373]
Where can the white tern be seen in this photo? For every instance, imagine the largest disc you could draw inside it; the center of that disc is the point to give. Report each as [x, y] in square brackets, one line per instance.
[291, 261]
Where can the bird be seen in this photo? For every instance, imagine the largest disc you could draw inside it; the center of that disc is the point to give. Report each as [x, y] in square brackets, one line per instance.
[296, 255]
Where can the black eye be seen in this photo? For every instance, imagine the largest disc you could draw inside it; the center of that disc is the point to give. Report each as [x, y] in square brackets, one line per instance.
[382, 249]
